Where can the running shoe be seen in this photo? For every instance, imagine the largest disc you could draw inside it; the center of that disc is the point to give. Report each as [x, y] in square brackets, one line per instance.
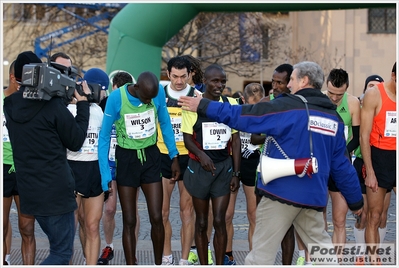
[210, 259]
[183, 262]
[168, 261]
[8, 259]
[192, 258]
[229, 260]
[106, 256]
[300, 261]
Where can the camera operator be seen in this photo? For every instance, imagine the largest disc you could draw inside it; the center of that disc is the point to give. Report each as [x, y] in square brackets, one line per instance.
[40, 132]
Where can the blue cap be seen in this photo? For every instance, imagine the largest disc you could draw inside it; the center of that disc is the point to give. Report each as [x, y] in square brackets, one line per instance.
[97, 76]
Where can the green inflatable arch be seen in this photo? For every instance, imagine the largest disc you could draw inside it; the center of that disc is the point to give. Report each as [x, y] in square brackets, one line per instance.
[139, 31]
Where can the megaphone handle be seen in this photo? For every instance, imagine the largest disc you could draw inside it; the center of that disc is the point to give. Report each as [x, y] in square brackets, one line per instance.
[306, 169]
[271, 138]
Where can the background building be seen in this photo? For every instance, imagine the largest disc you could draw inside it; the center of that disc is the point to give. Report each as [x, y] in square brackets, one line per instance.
[361, 41]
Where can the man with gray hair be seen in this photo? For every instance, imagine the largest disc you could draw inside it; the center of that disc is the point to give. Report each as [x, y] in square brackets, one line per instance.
[302, 125]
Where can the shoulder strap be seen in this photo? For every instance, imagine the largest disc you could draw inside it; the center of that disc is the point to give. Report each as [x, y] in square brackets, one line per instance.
[305, 101]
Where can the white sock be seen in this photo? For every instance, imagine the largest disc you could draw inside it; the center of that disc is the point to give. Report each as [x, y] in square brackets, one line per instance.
[359, 238]
[194, 250]
[209, 245]
[382, 232]
[301, 253]
[308, 263]
[111, 245]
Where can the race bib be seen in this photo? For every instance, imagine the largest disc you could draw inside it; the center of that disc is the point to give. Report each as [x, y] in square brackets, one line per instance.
[390, 124]
[140, 125]
[6, 138]
[215, 136]
[112, 144]
[246, 142]
[112, 147]
[176, 125]
[90, 145]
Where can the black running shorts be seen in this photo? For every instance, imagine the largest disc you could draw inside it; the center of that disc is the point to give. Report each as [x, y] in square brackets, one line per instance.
[87, 178]
[131, 171]
[166, 164]
[384, 165]
[9, 182]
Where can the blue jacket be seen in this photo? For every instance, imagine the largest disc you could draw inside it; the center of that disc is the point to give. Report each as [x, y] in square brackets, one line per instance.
[285, 118]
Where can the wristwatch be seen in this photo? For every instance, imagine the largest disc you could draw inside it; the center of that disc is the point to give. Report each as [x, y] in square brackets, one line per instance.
[236, 174]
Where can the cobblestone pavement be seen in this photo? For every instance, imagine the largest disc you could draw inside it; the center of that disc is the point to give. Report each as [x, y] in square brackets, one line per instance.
[240, 222]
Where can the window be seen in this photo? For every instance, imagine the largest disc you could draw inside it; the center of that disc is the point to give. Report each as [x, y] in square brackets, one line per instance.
[249, 38]
[28, 12]
[40, 11]
[382, 20]
[265, 41]
[17, 11]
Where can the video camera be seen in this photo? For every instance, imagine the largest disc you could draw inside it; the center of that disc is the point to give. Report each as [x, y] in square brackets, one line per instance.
[43, 82]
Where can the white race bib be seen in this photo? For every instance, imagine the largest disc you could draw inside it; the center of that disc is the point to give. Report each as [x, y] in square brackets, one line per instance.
[215, 135]
[390, 124]
[246, 142]
[90, 145]
[112, 144]
[112, 147]
[176, 125]
[140, 125]
[6, 138]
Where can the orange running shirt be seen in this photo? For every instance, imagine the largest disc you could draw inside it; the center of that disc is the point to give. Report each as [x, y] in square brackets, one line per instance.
[383, 131]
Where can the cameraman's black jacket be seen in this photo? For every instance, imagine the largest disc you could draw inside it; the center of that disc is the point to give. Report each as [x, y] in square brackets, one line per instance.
[40, 132]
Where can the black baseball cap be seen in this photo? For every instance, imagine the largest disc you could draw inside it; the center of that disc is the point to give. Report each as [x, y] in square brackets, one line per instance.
[22, 59]
[373, 77]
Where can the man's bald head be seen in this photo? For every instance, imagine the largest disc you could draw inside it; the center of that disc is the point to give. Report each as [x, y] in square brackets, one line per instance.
[147, 87]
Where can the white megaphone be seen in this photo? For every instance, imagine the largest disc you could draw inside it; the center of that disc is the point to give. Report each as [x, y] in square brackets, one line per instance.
[273, 168]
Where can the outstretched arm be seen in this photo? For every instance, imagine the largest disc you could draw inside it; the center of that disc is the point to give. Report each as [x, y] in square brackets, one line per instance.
[190, 103]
